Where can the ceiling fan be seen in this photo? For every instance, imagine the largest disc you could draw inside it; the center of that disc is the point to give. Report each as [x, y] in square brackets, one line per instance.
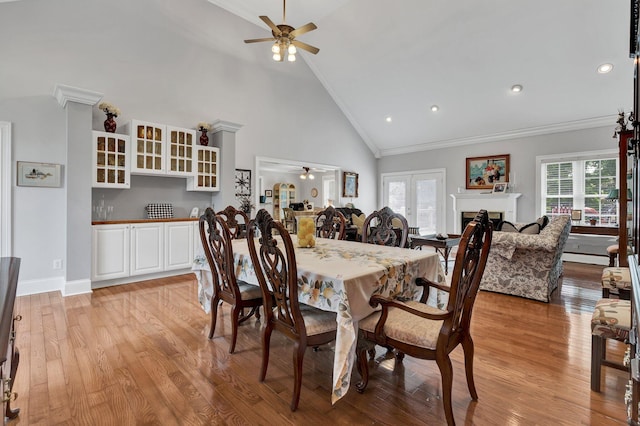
[284, 37]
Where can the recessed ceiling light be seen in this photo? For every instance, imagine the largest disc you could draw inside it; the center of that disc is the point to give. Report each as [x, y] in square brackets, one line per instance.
[605, 68]
[388, 119]
[516, 88]
[435, 108]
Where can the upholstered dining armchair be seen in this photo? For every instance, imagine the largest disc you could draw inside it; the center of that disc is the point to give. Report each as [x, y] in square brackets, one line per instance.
[276, 270]
[216, 241]
[384, 227]
[422, 331]
[236, 220]
[330, 223]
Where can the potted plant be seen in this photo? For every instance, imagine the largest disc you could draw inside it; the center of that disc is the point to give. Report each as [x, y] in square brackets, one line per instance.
[593, 221]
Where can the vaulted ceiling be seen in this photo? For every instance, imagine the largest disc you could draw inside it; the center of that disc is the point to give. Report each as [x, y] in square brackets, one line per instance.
[382, 59]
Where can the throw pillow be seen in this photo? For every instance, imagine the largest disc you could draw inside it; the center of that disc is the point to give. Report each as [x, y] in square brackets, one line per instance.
[543, 221]
[358, 221]
[505, 226]
[530, 229]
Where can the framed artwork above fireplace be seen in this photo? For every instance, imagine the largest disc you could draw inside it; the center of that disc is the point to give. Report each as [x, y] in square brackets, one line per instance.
[485, 172]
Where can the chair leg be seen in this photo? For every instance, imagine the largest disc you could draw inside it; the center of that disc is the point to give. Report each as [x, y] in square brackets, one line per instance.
[235, 321]
[612, 259]
[266, 340]
[467, 347]
[597, 355]
[446, 371]
[214, 316]
[298, 358]
[362, 363]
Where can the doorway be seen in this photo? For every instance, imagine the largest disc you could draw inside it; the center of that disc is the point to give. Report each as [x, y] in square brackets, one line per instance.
[419, 196]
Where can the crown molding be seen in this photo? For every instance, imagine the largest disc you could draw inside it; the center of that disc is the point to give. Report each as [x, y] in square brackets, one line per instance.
[64, 94]
[228, 126]
[568, 126]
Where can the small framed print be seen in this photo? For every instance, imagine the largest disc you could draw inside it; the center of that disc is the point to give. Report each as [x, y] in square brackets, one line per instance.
[576, 215]
[45, 175]
[349, 184]
[499, 187]
[268, 193]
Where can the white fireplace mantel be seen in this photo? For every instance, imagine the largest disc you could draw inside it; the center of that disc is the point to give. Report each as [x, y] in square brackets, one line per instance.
[507, 203]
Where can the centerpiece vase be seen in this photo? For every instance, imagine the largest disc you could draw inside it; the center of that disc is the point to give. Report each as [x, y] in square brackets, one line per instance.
[204, 139]
[110, 124]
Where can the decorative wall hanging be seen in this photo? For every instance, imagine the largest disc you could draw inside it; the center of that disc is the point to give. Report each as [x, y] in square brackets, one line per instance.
[349, 184]
[39, 174]
[243, 182]
[484, 172]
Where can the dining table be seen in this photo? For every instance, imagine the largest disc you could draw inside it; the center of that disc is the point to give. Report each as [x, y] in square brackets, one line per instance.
[341, 276]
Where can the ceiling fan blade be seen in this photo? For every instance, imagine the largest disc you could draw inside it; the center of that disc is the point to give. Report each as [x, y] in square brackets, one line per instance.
[257, 40]
[271, 25]
[303, 29]
[305, 46]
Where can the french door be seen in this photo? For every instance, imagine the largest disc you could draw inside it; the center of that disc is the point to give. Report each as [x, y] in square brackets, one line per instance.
[418, 196]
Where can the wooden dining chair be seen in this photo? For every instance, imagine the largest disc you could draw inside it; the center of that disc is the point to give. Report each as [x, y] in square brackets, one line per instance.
[422, 331]
[216, 241]
[384, 227]
[330, 223]
[274, 262]
[289, 219]
[236, 220]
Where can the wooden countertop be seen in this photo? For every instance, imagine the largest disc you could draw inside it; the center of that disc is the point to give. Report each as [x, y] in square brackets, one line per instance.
[121, 222]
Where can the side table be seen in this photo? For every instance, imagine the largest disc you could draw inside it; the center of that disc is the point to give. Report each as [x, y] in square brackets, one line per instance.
[443, 247]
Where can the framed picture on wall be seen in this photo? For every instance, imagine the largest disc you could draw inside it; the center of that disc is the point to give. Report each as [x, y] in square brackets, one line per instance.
[484, 172]
[39, 174]
[349, 184]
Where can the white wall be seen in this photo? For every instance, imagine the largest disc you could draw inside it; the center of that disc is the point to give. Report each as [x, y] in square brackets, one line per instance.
[523, 152]
[129, 51]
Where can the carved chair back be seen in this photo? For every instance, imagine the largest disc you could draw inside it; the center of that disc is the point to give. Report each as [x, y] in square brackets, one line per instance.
[330, 223]
[236, 220]
[378, 228]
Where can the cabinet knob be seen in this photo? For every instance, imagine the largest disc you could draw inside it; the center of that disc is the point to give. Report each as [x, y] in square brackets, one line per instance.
[17, 318]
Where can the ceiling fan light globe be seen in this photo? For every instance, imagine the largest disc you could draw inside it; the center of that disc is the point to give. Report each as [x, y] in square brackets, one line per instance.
[311, 176]
[276, 57]
[275, 48]
[291, 58]
[292, 49]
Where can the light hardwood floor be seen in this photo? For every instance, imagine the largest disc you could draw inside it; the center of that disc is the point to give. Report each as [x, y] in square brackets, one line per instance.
[139, 354]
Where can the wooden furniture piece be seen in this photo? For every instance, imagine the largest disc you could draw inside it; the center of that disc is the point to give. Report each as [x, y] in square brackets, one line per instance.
[330, 224]
[216, 240]
[423, 331]
[277, 274]
[283, 195]
[611, 320]
[340, 276]
[10, 355]
[289, 219]
[624, 204]
[442, 246]
[379, 228]
[236, 220]
[613, 251]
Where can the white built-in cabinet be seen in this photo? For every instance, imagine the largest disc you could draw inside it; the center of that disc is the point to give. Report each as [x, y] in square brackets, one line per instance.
[154, 149]
[205, 176]
[132, 249]
[110, 252]
[147, 248]
[111, 160]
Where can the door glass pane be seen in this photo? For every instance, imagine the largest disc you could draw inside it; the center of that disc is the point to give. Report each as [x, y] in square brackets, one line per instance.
[398, 197]
[426, 217]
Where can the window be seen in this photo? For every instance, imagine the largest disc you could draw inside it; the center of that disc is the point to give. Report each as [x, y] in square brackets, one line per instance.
[580, 184]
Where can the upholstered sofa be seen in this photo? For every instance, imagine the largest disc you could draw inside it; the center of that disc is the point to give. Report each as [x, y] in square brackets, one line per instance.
[527, 265]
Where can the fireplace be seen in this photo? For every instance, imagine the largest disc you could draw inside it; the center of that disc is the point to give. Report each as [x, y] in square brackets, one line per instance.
[505, 204]
[495, 217]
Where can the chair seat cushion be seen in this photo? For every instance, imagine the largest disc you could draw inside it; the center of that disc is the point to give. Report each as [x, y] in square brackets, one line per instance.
[615, 277]
[612, 319]
[406, 327]
[248, 291]
[317, 321]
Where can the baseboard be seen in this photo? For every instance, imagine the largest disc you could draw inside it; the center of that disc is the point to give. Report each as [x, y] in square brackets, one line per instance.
[585, 258]
[72, 288]
[45, 285]
[136, 278]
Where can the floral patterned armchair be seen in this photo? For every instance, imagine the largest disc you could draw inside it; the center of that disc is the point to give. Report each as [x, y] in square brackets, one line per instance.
[527, 265]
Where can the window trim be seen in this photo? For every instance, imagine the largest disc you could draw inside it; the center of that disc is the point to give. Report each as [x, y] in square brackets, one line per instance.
[569, 156]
